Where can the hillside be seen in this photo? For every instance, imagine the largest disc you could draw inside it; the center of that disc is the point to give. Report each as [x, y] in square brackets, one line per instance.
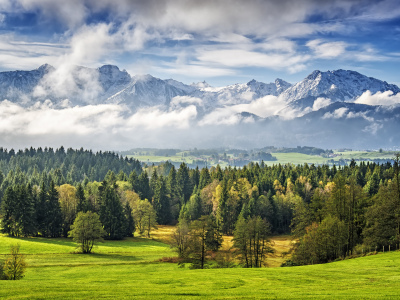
[127, 269]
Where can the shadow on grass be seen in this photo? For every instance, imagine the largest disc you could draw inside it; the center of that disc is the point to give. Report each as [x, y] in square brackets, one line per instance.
[53, 241]
[111, 256]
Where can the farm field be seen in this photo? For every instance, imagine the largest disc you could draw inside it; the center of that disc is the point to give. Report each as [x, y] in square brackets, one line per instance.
[282, 158]
[132, 269]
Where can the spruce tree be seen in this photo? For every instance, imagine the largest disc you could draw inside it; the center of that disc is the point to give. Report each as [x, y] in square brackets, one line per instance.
[53, 214]
[161, 202]
[83, 205]
[111, 214]
[130, 222]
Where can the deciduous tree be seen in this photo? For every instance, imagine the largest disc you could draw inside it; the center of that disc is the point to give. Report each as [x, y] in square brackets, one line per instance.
[87, 230]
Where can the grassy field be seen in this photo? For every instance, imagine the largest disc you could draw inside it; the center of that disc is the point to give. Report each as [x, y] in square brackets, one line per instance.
[282, 158]
[132, 269]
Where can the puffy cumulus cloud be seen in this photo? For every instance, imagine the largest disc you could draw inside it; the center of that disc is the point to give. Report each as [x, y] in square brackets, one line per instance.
[179, 100]
[352, 115]
[154, 118]
[337, 114]
[320, 103]
[43, 119]
[229, 115]
[220, 116]
[262, 107]
[379, 98]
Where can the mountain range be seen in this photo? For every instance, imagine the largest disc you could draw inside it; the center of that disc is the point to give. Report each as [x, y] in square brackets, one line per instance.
[324, 106]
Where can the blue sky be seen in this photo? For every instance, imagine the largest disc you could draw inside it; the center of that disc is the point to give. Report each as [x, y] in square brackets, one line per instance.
[222, 42]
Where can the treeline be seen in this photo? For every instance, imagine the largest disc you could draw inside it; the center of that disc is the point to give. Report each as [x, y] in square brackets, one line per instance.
[298, 149]
[332, 211]
[70, 166]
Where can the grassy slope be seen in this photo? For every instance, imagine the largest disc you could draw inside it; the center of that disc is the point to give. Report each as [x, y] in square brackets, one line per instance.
[128, 269]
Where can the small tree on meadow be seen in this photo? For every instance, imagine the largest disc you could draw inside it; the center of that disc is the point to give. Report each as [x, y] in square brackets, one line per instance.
[87, 230]
[15, 265]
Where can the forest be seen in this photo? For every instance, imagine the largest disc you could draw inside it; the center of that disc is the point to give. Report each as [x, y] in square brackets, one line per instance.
[331, 212]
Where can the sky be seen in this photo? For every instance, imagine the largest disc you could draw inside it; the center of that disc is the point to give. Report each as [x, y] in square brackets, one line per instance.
[222, 42]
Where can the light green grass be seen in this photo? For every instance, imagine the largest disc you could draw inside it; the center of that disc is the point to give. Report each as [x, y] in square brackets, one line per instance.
[127, 270]
[366, 155]
[282, 158]
[296, 158]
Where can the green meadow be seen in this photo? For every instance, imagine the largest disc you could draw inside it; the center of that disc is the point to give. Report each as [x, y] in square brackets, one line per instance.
[132, 268]
[282, 158]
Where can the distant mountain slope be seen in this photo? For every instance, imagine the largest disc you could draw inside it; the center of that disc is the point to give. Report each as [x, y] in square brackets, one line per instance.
[339, 85]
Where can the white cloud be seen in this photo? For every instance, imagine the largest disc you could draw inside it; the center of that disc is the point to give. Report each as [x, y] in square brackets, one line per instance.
[373, 128]
[43, 119]
[154, 118]
[320, 103]
[263, 107]
[243, 58]
[363, 115]
[337, 114]
[379, 98]
[327, 49]
[178, 100]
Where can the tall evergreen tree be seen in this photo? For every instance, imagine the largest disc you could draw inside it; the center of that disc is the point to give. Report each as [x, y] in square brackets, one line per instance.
[130, 222]
[111, 214]
[53, 212]
[83, 204]
[161, 202]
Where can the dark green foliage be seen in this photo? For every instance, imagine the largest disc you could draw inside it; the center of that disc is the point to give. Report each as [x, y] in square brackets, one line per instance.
[83, 204]
[72, 165]
[53, 215]
[184, 184]
[130, 222]
[111, 213]
[143, 186]
[204, 236]
[322, 242]
[161, 202]
[18, 210]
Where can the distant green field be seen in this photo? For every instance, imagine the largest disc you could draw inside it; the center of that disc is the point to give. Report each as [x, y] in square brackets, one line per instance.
[366, 155]
[128, 269]
[282, 158]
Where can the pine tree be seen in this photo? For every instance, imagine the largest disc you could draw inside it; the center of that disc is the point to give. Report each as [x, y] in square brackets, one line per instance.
[41, 210]
[111, 214]
[83, 205]
[53, 214]
[130, 222]
[161, 202]
[7, 209]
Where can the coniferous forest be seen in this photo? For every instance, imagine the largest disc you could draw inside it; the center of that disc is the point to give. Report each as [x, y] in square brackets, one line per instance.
[331, 212]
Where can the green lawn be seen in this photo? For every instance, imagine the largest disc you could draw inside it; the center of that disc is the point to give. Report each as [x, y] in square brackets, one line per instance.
[129, 269]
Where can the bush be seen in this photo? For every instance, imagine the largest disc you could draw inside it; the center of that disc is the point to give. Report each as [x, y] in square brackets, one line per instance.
[2, 269]
[289, 263]
[15, 265]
